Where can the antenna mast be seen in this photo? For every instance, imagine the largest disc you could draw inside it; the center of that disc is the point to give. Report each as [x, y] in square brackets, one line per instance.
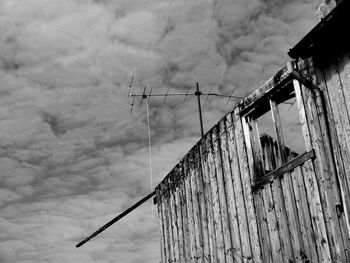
[198, 94]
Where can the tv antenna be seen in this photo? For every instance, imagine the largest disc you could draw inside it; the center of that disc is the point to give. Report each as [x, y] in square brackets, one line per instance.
[147, 95]
[198, 93]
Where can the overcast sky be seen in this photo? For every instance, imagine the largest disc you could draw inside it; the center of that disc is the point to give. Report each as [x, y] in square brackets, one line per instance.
[71, 156]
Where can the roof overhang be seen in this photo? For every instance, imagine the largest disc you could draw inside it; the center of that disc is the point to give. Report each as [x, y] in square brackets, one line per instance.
[328, 36]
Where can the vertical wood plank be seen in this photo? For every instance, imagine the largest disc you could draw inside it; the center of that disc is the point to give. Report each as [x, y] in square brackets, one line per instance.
[238, 191]
[221, 190]
[173, 213]
[185, 224]
[246, 177]
[235, 252]
[190, 216]
[339, 106]
[344, 75]
[272, 224]
[208, 201]
[220, 247]
[161, 226]
[195, 206]
[177, 201]
[281, 218]
[326, 149]
[315, 207]
[166, 227]
[203, 206]
[292, 217]
[304, 215]
[172, 251]
[264, 237]
[179, 223]
[168, 220]
[312, 190]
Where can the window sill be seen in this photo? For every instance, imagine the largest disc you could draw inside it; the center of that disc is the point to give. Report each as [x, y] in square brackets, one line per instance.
[280, 171]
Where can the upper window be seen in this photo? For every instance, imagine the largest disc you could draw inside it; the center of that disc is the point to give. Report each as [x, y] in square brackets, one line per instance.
[278, 134]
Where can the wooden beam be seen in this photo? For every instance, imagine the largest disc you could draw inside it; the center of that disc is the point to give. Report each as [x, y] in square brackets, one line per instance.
[114, 220]
[278, 81]
[283, 169]
[279, 132]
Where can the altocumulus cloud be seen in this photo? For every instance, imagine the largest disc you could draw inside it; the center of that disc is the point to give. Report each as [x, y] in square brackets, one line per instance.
[70, 155]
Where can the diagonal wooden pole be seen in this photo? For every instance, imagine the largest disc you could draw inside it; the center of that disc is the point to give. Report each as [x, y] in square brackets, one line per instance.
[114, 220]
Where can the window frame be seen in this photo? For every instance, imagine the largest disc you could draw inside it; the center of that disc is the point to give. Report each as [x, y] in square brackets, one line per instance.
[252, 137]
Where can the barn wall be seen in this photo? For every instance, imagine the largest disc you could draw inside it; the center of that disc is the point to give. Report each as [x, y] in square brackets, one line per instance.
[212, 207]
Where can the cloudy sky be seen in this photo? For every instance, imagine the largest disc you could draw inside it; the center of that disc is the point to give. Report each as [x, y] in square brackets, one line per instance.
[71, 156]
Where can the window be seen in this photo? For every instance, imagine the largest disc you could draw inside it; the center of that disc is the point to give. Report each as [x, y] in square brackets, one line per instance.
[275, 131]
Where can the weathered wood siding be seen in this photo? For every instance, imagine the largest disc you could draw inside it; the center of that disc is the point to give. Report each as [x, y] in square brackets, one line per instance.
[333, 77]
[221, 203]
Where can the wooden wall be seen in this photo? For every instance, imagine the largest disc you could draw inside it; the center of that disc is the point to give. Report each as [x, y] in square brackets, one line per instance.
[219, 204]
[333, 77]
[205, 204]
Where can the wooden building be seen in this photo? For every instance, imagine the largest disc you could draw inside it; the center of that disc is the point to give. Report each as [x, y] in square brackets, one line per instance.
[239, 196]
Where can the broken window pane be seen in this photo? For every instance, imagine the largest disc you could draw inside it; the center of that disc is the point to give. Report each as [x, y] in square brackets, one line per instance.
[268, 141]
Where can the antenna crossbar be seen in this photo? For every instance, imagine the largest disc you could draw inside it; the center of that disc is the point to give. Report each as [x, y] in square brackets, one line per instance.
[197, 93]
[184, 94]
